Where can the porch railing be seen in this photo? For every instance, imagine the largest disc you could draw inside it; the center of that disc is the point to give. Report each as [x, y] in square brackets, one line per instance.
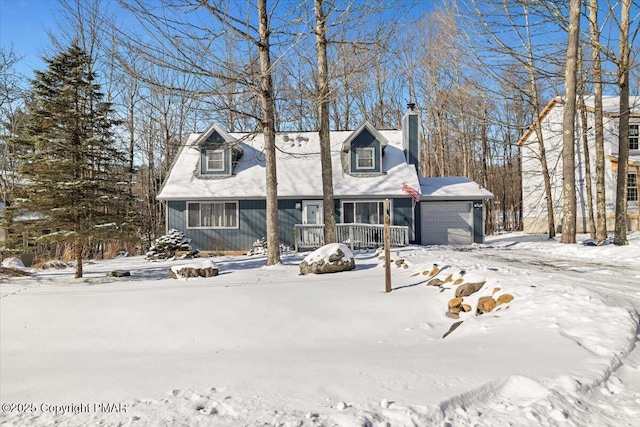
[309, 236]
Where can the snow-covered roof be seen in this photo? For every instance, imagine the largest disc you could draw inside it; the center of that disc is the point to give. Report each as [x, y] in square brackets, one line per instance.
[452, 188]
[610, 107]
[298, 169]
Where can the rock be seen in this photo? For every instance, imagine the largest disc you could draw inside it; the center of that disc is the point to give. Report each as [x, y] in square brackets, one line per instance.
[189, 272]
[405, 266]
[118, 273]
[399, 262]
[455, 302]
[435, 282]
[495, 290]
[504, 299]
[485, 305]
[449, 278]
[457, 309]
[331, 258]
[468, 289]
[452, 315]
[466, 308]
[452, 328]
[458, 281]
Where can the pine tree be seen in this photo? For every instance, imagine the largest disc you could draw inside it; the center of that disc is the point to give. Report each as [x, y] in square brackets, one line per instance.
[73, 167]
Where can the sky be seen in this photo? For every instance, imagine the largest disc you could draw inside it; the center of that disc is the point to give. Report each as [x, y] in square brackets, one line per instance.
[24, 24]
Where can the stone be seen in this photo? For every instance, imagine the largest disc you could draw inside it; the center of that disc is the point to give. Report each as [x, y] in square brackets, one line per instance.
[405, 266]
[466, 308]
[452, 315]
[457, 309]
[485, 305]
[458, 281]
[452, 328]
[435, 282]
[190, 272]
[504, 299]
[495, 290]
[449, 278]
[332, 258]
[119, 273]
[455, 302]
[468, 289]
[399, 262]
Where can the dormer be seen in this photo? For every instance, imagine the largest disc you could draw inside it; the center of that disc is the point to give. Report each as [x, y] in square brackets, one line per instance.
[219, 152]
[363, 149]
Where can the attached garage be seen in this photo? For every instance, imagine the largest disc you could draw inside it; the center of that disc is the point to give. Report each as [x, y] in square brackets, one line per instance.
[451, 211]
[447, 223]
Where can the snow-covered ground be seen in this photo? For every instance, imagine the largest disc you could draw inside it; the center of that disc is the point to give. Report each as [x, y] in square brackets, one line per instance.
[262, 345]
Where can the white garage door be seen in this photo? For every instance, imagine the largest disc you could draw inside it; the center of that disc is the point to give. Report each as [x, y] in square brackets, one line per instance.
[447, 223]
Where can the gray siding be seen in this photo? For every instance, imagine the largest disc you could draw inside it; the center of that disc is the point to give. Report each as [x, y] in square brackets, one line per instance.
[403, 214]
[366, 139]
[252, 225]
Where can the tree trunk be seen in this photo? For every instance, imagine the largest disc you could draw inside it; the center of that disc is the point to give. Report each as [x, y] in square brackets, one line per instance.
[620, 236]
[568, 128]
[585, 146]
[77, 247]
[268, 128]
[323, 113]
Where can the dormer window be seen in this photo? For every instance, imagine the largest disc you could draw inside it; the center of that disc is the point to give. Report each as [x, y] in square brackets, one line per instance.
[214, 160]
[365, 157]
[633, 137]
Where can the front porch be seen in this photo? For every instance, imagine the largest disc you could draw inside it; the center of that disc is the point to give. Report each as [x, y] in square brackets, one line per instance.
[311, 236]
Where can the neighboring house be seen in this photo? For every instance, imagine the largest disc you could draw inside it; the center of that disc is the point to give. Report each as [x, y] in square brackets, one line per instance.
[534, 209]
[215, 191]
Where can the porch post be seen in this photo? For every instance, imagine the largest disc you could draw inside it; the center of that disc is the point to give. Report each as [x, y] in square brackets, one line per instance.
[387, 246]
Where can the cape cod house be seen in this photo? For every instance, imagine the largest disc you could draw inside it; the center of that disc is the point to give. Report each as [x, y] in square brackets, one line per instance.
[215, 191]
[534, 207]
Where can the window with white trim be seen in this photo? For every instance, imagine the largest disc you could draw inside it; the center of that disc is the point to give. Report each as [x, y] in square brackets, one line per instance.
[633, 137]
[365, 157]
[212, 215]
[363, 212]
[214, 160]
[632, 187]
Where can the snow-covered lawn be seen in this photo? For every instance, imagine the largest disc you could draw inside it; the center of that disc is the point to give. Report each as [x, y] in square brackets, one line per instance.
[262, 345]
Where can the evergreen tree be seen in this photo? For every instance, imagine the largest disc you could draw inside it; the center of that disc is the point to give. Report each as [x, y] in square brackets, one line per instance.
[73, 168]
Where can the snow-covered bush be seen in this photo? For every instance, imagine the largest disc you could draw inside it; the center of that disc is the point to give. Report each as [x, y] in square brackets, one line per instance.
[168, 246]
[260, 247]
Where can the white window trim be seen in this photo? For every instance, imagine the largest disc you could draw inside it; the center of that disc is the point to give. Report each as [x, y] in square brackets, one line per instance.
[637, 136]
[342, 202]
[637, 187]
[372, 150]
[206, 162]
[189, 202]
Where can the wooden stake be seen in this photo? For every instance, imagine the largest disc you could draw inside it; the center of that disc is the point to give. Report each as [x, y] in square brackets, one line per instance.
[387, 246]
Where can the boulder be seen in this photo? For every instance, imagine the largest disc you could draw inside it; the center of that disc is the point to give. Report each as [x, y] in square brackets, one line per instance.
[504, 299]
[331, 258]
[452, 315]
[118, 273]
[435, 282]
[468, 289]
[485, 305]
[455, 302]
[466, 308]
[206, 268]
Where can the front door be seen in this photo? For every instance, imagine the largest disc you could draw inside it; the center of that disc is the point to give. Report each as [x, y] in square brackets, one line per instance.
[312, 212]
[312, 216]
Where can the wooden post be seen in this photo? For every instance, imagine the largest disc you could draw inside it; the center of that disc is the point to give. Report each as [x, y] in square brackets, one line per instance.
[387, 246]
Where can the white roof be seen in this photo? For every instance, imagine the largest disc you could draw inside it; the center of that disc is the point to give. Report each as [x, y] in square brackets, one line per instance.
[452, 188]
[611, 104]
[298, 169]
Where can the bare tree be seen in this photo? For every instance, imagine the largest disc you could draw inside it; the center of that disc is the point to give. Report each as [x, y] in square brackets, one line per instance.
[594, 32]
[620, 236]
[568, 127]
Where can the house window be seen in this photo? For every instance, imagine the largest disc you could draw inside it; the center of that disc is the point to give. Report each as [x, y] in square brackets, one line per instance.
[364, 157]
[215, 160]
[633, 137]
[212, 215]
[363, 212]
[632, 187]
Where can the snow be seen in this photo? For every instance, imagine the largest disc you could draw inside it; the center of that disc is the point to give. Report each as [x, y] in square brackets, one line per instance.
[262, 345]
[299, 170]
[450, 188]
[325, 252]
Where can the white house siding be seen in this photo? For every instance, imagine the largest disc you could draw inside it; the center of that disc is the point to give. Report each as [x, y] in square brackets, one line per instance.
[533, 194]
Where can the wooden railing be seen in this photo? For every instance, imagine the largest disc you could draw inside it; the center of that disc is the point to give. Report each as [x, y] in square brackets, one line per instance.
[309, 236]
